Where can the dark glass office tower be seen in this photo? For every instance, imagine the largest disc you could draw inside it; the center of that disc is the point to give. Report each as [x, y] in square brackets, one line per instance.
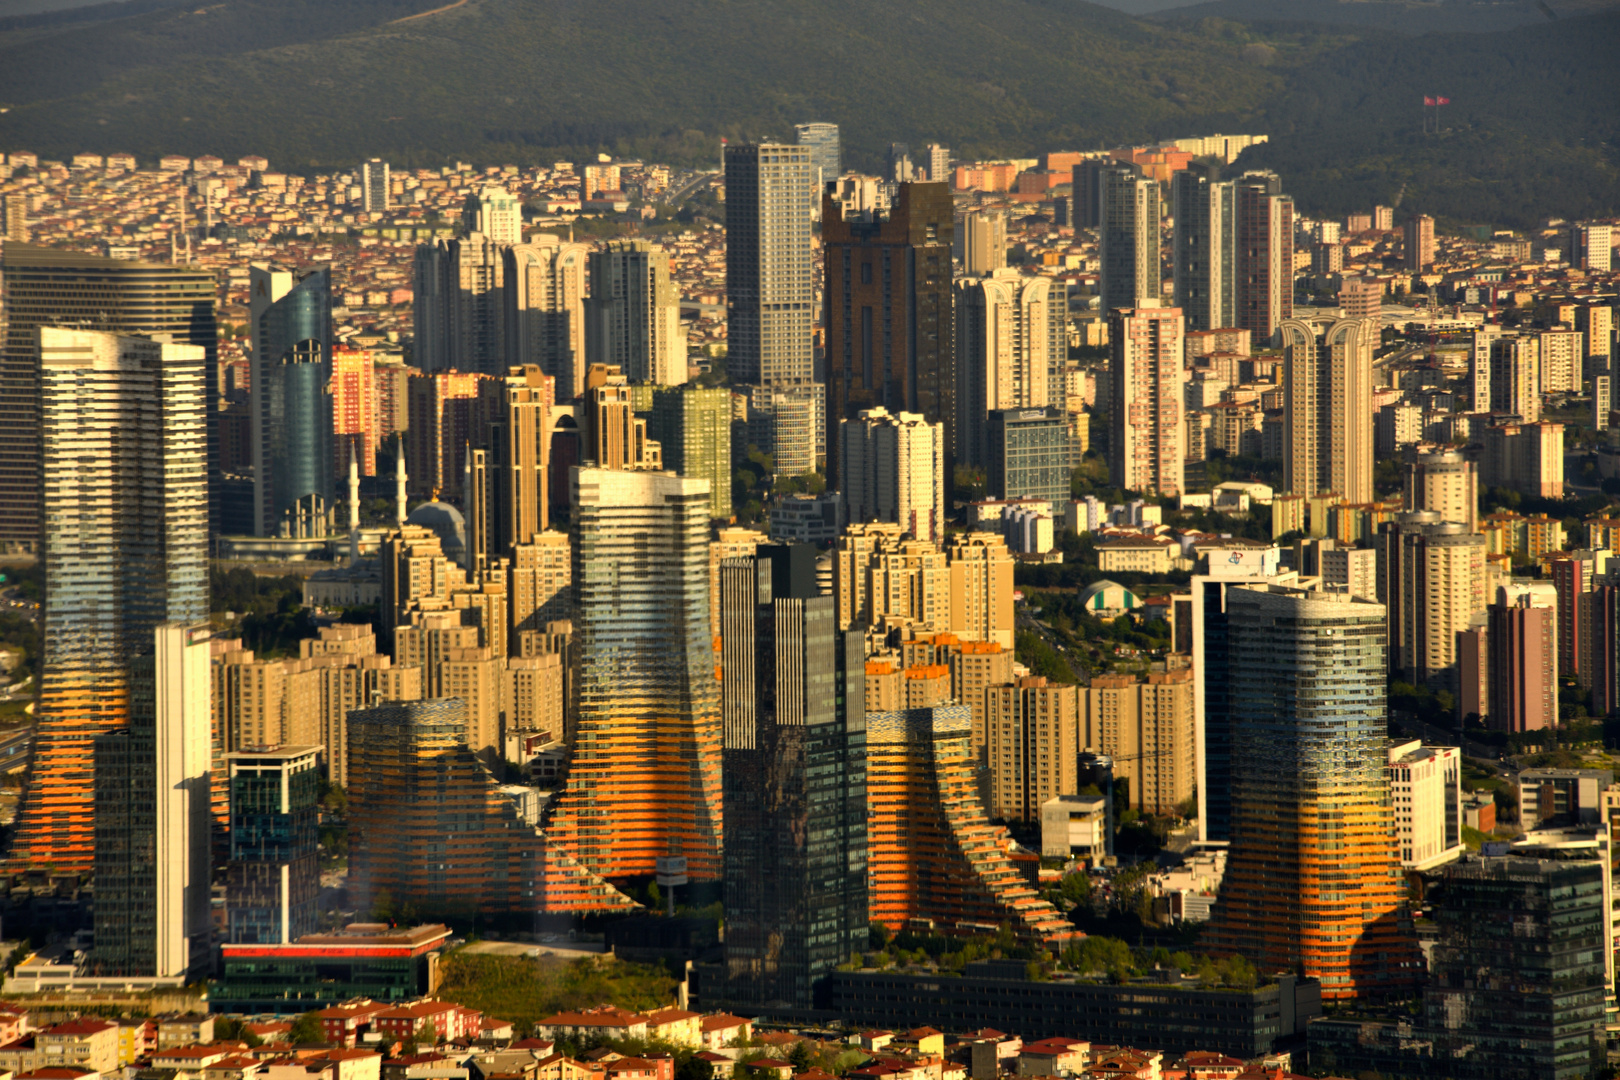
[273, 878]
[794, 713]
[44, 287]
[291, 314]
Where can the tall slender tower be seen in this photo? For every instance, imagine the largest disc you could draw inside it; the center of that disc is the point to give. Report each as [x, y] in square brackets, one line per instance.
[1010, 350]
[1129, 233]
[1313, 873]
[795, 779]
[545, 310]
[459, 305]
[770, 288]
[1265, 254]
[124, 471]
[634, 313]
[643, 678]
[1328, 414]
[1145, 384]
[291, 419]
[494, 213]
[376, 195]
[45, 287]
[887, 310]
[825, 159]
[1204, 248]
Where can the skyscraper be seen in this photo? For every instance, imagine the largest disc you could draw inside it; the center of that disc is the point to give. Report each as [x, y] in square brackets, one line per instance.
[887, 312]
[355, 428]
[643, 676]
[983, 236]
[1328, 414]
[1010, 351]
[893, 469]
[45, 287]
[1443, 481]
[1265, 254]
[493, 212]
[1030, 457]
[1313, 874]
[152, 830]
[1417, 254]
[1515, 376]
[1433, 578]
[124, 472]
[825, 159]
[1128, 238]
[1522, 636]
[1145, 347]
[770, 293]
[375, 193]
[1204, 248]
[290, 315]
[693, 427]
[634, 313]
[545, 310]
[939, 163]
[273, 877]
[795, 779]
[520, 461]
[1030, 733]
[459, 305]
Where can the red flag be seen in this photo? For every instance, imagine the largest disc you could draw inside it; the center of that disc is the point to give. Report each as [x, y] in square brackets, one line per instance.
[1442, 101]
[1428, 101]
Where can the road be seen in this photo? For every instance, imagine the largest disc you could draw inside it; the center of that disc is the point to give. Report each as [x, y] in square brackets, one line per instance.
[675, 196]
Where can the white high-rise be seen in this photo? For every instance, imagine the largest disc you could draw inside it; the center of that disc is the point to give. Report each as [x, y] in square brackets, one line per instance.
[634, 314]
[893, 469]
[1327, 412]
[375, 193]
[545, 309]
[1010, 349]
[1145, 344]
[770, 281]
[495, 213]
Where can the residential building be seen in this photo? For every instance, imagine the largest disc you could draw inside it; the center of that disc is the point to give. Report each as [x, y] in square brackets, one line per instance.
[446, 416]
[1425, 785]
[980, 568]
[44, 287]
[1515, 377]
[1523, 666]
[1361, 298]
[1417, 252]
[1010, 352]
[273, 877]
[519, 440]
[633, 315]
[459, 307]
[152, 917]
[1029, 454]
[1147, 726]
[794, 769]
[493, 212]
[1265, 259]
[884, 578]
[88, 1043]
[612, 436]
[1591, 245]
[770, 294]
[1433, 578]
[375, 192]
[1445, 482]
[1328, 414]
[887, 311]
[643, 670]
[1145, 448]
[545, 282]
[693, 427]
[1030, 742]
[1527, 458]
[356, 431]
[893, 469]
[983, 241]
[1204, 248]
[539, 587]
[1563, 361]
[1312, 875]
[1128, 231]
[123, 470]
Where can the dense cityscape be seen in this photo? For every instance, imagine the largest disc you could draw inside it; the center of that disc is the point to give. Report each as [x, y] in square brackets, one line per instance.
[1072, 616]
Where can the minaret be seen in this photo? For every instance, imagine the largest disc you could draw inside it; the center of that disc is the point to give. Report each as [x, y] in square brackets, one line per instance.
[399, 481]
[354, 508]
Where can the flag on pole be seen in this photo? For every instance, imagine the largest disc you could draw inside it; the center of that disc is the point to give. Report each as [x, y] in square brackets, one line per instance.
[1442, 101]
[1430, 101]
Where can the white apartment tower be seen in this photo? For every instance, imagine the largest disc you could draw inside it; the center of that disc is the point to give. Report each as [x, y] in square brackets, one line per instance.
[1327, 407]
[496, 214]
[770, 282]
[1129, 239]
[1010, 350]
[634, 314]
[545, 309]
[1145, 344]
[893, 469]
[375, 193]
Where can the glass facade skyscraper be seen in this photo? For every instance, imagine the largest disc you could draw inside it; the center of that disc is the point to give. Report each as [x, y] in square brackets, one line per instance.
[124, 471]
[273, 878]
[825, 159]
[45, 287]
[643, 729]
[793, 703]
[291, 419]
[1313, 878]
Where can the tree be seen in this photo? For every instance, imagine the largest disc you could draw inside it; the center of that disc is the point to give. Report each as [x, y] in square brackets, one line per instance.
[307, 1029]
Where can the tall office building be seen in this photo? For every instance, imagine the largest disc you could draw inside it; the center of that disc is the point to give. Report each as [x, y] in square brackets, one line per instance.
[643, 676]
[795, 779]
[1313, 874]
[893, 469]
[1030, 456]
[493, 212]
[45, 287]
[545, 310]
[770, 284]
[290, 315]
[1204, 248]
[124, 473]
[1433, 577]
[693, 427]
[633, 314]
[825, 159]
[272, 882]
[983, 236]
[376, 196]
[1522, 671]
[1145, 355]
[1417, 254]
[1031, 730]
[887, 313]
[1010, 352]
[152, 830]
[1128, 238]
[1327, 407]
[1515, 377]
[459, 307]
[1265, 254]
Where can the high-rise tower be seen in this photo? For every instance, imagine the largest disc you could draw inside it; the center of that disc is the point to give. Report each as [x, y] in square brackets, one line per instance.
[1204, 248]
[634, 313]
[45, 287]
[1145, 345]
[1328, 414]
[1313, 873]
[1265, 254]
[493, 212]
[770, 288]
[376, 195]
[795, 779]
[1129, 238]
[887, 311]
[825, 158]
[290, 314]
[643, 678]
[1010, 350]
[459, 305]
[124, 472]
[545, 310]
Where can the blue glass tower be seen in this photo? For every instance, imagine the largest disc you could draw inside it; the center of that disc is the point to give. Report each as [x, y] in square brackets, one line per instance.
[291, 314]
